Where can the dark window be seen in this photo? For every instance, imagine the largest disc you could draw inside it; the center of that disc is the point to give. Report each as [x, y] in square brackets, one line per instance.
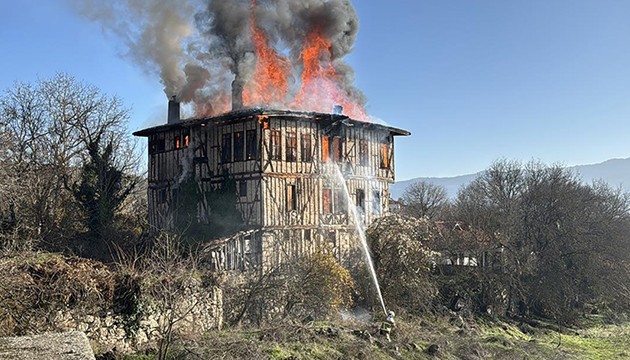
[360, 199]
[384, 154]
[291, 198]
[331, 239]
[291, 146]
[160, 145]
[377, 207]
[178, 142]
[327, 201]
[226, 148]
[242, 188]
[363, 153]
[252, 145]
[239, 146]
[306, 150]
[336, 149]
[325, 148]
[276, 146]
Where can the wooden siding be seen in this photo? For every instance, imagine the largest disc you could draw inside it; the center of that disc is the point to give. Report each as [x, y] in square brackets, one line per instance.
[282, 199]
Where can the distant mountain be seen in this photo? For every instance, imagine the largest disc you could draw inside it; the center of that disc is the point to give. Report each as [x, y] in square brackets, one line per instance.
[616, 172]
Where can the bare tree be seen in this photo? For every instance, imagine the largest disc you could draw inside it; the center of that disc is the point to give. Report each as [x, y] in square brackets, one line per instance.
[47, 128]
[423, 198]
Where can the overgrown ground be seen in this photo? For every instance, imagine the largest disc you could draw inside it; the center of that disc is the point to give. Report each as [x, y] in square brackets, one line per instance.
[414, 339]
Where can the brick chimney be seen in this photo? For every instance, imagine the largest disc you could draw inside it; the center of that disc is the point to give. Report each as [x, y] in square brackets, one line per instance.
[237, 94]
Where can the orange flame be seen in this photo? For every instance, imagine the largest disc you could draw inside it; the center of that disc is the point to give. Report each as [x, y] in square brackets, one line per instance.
[270, 84]
[320, 90]
[320, 87]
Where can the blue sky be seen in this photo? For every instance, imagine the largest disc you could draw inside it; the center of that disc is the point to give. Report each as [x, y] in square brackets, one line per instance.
[472, 80]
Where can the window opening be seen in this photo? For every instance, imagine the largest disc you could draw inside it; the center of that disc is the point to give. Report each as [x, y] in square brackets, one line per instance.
[291, 154]
[363, 153]
[160, 145]
[306, 149]
[360, 199]
[325, 148]
[239, 146]
[385, 154]
[276, 146]
[327, 200]
[336, 149]
[340, 201]
[226, 148]
[291, 198]
[252, 146]
[242, 188]
[377, 207]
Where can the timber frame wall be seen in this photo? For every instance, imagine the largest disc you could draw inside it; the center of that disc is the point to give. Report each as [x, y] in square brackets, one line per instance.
[283, 164]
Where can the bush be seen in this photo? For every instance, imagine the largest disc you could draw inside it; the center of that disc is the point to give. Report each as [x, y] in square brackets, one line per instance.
[314, 286]
[402, 263]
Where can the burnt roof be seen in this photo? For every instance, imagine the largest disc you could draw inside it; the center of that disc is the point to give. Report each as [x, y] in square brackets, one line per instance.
[238, 115]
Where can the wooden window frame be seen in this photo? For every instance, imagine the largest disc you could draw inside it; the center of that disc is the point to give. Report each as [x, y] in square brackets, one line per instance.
[384, 150]
[359, 199]
[226, 148]
[251, 145]
[364, 153]
[325, 148]
[327, 199]
[336, 149]
[275, 144]
[239, 146]
[242, 188]
[291, 146]
[306, 148]
[291, 196]
[340, 204]
[377, 202]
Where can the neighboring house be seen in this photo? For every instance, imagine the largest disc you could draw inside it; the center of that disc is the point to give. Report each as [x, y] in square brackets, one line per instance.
[458, 244]
[395, 206]
[284, 165]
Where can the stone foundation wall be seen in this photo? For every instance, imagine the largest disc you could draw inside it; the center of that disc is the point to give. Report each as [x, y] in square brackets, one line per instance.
[194, 313]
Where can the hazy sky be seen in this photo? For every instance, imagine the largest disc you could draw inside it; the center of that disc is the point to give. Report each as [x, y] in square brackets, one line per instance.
[472, 80]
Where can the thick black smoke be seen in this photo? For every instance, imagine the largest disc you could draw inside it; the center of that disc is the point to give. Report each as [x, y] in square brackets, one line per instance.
[198, 47]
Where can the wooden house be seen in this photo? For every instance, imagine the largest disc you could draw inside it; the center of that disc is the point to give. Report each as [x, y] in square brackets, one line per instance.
[284, 165]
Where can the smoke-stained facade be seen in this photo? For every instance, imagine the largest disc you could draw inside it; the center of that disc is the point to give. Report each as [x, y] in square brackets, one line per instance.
[283, 165]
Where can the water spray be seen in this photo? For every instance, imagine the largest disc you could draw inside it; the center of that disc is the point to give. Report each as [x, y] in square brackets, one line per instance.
[361, 232]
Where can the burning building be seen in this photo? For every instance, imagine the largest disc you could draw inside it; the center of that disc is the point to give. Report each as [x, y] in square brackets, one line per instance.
[283, 163]
[261, 77]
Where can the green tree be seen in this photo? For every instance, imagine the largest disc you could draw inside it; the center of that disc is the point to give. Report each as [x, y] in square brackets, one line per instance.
[102, 189]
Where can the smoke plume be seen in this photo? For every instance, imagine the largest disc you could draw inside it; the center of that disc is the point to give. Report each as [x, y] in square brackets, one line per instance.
[282, 53]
